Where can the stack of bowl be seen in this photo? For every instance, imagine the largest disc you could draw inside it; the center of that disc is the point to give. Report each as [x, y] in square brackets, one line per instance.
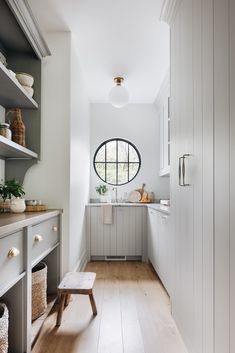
[26, 82]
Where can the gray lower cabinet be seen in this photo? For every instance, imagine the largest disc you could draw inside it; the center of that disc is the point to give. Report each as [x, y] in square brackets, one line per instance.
[160, 247]
[25, 240]
[126, 236]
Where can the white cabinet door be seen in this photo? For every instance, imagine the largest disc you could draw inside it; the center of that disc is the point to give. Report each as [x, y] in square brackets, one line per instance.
[162, 104]
[166, 252]
[153, 238]
[161, 247]
[129, 230]
[102, 236]
[125, 237]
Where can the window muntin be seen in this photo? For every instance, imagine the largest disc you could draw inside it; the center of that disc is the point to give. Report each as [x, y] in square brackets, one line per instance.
[117, 161]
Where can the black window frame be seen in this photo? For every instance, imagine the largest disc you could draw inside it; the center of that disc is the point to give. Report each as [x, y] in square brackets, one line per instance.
[117, 139]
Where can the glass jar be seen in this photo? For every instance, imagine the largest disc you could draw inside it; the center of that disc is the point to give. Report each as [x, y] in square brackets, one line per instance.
[5, 131]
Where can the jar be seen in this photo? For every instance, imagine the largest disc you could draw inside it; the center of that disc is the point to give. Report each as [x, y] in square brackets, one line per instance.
[18, 205]
[5, 131]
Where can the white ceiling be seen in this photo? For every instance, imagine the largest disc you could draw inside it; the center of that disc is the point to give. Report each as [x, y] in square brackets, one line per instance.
[114, 37]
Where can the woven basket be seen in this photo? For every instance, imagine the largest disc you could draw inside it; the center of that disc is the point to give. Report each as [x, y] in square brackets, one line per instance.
[4, 322]
[39, 290]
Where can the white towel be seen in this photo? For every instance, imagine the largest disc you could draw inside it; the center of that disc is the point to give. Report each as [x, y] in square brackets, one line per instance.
[107, 214]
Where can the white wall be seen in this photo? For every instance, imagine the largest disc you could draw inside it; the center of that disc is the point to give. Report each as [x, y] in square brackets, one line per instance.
[55, 179]
[49, 179]
[80, 161]
[139, 124]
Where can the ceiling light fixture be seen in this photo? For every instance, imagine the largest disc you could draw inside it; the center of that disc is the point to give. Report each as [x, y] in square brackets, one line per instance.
[118, 95]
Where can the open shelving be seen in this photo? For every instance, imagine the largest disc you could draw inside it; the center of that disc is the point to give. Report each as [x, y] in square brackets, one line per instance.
[12, 94]
[12, 150]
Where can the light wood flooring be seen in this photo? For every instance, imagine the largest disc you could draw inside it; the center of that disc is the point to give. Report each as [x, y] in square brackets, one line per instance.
[133, 316]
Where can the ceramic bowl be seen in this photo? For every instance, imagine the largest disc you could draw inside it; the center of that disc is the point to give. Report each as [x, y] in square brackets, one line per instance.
[29, 90]
[31, 202]
[25, 79]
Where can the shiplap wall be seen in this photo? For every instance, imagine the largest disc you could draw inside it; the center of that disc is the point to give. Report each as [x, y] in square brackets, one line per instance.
[224, 171]
[211, 25]
[126, 236]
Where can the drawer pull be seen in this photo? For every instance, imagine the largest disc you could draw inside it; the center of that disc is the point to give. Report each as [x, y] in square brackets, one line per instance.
[13, 252]
[38, 238]
[55, 228]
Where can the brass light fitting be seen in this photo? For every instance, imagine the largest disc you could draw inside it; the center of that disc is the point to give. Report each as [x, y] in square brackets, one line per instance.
[118, 80]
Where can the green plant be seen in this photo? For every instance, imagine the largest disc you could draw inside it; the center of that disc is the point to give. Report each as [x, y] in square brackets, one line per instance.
[11, 188]
[101, 189]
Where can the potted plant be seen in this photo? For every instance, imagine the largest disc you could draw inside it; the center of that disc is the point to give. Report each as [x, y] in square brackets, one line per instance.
[11, 192]
[102, 191]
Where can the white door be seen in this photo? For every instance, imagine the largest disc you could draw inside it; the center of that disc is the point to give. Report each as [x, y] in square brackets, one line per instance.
[182, 197]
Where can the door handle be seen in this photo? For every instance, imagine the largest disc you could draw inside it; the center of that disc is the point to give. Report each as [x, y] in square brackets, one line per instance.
[180, 173]
[183, 168]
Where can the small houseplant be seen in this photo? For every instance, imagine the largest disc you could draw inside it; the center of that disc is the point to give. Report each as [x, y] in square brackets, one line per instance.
[11, 192]
[102, 191]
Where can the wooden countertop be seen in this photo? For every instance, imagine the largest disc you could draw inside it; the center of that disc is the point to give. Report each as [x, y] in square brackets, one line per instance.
[10, 222]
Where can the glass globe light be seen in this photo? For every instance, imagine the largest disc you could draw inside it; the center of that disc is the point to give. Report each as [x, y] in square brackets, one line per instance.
[118, 95]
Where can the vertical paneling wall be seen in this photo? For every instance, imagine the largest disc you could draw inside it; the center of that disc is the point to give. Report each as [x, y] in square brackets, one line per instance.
[224, 210]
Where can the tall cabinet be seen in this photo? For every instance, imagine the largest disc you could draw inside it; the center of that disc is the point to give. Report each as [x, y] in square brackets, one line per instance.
[202, 91]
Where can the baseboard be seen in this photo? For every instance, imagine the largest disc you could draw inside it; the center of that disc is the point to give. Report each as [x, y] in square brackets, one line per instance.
[82, 262]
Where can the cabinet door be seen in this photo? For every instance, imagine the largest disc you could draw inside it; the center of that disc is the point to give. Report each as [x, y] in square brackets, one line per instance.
[186, 201]
[163, 113]
[153, 238]
[129, 230]
[165, 252]
[103, 237]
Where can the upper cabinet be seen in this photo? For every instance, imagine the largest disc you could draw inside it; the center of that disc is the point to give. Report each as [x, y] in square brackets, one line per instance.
[163, 108]
[23, 47]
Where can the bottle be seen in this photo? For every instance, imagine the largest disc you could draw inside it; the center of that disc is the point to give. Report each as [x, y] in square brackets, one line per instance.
[18, 128]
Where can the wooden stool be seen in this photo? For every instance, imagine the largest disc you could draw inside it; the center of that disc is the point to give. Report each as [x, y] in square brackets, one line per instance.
[75, 283]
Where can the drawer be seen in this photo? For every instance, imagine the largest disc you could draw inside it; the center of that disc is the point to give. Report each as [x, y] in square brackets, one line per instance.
[44, 236]
[11, 262]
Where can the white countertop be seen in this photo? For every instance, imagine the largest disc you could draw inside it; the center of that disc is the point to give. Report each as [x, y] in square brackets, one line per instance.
[154, 206]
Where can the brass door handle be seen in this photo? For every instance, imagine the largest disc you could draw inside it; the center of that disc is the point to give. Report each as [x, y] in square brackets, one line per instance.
[38, 237]
[13, 252]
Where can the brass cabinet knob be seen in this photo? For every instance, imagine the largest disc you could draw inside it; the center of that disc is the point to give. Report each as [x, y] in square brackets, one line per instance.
[55, 228]
[13, 252]
[38, 237]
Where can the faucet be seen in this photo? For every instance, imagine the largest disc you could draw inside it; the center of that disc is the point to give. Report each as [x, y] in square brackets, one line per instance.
[116, 196]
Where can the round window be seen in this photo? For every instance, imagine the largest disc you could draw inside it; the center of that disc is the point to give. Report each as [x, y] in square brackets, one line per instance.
[117, 161]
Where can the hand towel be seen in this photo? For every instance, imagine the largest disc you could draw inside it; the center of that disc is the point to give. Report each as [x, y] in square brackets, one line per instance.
[107, 214]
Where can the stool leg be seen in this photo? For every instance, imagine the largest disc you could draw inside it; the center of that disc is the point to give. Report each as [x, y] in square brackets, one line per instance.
[93, 305]
[60, 310]
[67, 299]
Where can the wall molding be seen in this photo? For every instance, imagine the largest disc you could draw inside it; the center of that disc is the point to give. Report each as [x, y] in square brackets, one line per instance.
[27, 22]
[169, 10]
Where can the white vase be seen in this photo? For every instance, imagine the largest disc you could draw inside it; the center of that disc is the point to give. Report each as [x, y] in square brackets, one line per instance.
[103, 199]
[18, 205]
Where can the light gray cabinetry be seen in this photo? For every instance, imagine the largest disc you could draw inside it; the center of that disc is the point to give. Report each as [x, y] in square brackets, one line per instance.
[124, 237]
[11, 259]
[44, 236]
[202, 125]
[23, 46]
[17, 257]
[163, 109]
[161, 247]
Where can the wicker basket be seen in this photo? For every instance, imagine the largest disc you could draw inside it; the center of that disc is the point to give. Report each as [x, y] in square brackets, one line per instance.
[4, 322]
[39, 290]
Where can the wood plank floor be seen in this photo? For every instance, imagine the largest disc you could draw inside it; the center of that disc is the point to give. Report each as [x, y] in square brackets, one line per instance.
[133, 316]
